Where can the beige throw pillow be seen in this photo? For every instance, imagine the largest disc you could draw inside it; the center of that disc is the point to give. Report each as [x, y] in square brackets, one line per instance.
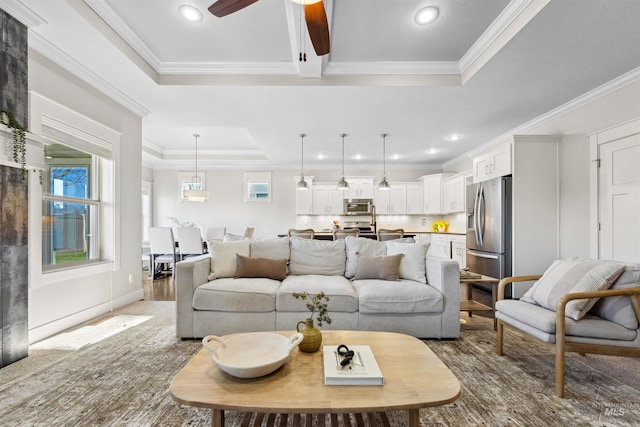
[275, 269]
[223, 254]
[569, 276]
[378, 267]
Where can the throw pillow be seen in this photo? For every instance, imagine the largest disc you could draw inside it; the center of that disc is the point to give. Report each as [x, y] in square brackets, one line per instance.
[323, 257]
[379, 267]
[361, 246]
[412, 264]
[619, 309]
[276, 248]
[223, 257]
[569, 276]
[275, 269]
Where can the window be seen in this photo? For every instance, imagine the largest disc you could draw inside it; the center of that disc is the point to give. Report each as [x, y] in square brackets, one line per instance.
[257, 186]
[70, 208]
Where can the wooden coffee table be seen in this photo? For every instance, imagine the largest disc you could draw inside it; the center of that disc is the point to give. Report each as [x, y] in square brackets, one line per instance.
[414, 378]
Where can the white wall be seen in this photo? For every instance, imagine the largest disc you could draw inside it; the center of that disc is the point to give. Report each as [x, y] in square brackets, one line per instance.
[85, 293]
[573, 156]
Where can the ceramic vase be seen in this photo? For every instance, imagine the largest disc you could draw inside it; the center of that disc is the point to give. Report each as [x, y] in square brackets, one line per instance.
[312, 336]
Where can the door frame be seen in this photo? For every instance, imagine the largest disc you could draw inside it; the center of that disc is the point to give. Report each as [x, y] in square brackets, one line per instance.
[595, 140]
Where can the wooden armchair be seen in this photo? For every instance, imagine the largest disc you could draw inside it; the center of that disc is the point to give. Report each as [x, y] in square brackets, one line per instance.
[563, 341]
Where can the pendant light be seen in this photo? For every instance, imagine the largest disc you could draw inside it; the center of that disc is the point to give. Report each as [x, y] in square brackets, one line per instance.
[343, 184]
[302, 184]
[384, 184]
[195, 193]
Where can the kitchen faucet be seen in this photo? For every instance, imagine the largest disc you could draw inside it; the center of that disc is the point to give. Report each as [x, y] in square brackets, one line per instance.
[373, 219]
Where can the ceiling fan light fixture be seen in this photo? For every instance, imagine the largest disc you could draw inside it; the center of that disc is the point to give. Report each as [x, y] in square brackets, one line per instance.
[426, 15]
[195, 193]
[190, 13]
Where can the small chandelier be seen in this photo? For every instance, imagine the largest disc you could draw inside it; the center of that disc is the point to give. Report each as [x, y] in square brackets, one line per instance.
[384, 184]
[302, 184]
[343, 184]
[195, 193]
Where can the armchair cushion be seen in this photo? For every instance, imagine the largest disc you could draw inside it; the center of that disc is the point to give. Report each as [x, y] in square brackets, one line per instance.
[619, 309]
[569, 276]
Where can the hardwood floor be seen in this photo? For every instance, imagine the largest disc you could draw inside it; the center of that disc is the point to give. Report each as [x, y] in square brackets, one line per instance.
[162, 289]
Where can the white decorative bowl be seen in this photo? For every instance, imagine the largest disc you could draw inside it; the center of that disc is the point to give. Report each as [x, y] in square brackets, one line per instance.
[253, 354]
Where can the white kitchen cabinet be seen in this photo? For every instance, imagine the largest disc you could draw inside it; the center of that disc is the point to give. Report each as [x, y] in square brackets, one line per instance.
[415, 199]
[454, 197]
[492, 164]
[392, 201]
[440, 246]
[360, 188]
[327, 200]
[433, 192]
[304, 203]
[459, 250]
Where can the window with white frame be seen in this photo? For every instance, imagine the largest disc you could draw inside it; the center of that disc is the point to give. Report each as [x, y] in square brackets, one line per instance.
[71, 207]
[257, 186]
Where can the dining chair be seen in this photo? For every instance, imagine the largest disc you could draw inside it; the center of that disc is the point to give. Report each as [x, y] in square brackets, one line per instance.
[190, 241]
[342, 233]
[389, 234]
[215, 233]
[306, 233]
[162, 252]
[248, 232]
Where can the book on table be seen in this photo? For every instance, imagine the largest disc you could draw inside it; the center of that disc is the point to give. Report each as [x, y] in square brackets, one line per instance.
[469, 275]
[362, 368]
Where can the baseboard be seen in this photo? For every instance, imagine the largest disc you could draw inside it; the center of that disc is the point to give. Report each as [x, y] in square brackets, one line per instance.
[45, 331]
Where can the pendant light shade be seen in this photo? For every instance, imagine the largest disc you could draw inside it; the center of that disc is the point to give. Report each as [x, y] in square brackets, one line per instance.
[343, 184]
[384, 184]
[302, 184]
[195, 192]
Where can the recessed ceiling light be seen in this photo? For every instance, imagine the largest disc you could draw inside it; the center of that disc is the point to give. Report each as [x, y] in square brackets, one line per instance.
[358, 157]
[395, 156]
[190, 13]
[320, 156]
[426, 15]
[454, 137]
[432, 151]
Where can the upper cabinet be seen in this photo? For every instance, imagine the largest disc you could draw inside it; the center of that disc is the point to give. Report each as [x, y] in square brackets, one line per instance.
[361, 188]
[327, 200]
[492, 164]
[415, 199]
[453, 193]
[392, 201]
[433, 203]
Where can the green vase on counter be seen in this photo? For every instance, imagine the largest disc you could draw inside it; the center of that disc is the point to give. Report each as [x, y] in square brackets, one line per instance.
[312, 337]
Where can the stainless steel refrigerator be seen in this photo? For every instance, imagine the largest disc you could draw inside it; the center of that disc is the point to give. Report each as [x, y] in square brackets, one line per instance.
[489, 227]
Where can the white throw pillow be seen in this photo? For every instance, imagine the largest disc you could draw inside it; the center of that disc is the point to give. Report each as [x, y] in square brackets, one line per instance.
[324, 257]
[412, 264]
[276, 248]
[223, 254]
[569, 276]
[361, 246]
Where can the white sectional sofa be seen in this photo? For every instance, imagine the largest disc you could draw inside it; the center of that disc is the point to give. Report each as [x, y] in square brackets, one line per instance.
[382, 286]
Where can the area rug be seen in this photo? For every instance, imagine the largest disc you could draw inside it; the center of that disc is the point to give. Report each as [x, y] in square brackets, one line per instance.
[123, 380]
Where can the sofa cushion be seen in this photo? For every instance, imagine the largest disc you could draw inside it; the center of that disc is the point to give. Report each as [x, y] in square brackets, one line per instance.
[378, 267]
[573, 275]
[223, 254]
[544, 320]
[237, 295]
[412, 264]
[276, 248]
[275, 269]
[309, 256]
[619, 309]
[405, 296]
[342, 295]
[361, 246]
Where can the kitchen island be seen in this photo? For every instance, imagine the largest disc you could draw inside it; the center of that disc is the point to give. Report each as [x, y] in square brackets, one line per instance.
[327, 235]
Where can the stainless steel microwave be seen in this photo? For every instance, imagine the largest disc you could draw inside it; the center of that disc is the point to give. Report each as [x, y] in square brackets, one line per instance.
[357, 206]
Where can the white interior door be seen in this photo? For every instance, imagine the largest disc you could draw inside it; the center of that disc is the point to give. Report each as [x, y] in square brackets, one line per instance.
[619, 188]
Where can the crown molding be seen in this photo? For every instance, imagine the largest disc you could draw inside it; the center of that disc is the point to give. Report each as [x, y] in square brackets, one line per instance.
[22, 13]
[44, 47]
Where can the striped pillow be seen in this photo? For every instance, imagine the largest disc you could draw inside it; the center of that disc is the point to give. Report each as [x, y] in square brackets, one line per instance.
[569, 276]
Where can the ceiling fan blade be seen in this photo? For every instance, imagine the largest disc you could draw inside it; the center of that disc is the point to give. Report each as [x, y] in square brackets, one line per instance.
[318, 26]
[225, 7]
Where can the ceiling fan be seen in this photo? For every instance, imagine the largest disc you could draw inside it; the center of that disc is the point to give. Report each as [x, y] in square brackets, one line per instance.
[314, 13]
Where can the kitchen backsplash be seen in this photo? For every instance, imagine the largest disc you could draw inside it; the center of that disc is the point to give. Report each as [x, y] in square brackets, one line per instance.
[410, 223]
